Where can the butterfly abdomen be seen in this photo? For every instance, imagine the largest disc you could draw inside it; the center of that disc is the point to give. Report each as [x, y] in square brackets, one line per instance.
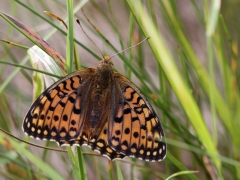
[96, 109]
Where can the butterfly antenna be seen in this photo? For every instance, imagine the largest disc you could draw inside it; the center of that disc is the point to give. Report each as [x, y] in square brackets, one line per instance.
[94, 27]
[89, 37]
[130, 47]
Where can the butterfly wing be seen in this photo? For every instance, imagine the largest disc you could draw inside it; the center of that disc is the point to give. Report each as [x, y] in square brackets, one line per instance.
[57, 114]
[134, 129]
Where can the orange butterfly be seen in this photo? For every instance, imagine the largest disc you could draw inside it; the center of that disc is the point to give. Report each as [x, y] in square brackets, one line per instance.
[97, 107]
[100, 108]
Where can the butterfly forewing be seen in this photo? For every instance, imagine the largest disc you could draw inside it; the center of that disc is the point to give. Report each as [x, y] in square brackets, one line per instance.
[57, 112]
[135, 129]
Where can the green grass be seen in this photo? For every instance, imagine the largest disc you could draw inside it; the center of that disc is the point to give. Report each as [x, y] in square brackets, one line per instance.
[192, 82]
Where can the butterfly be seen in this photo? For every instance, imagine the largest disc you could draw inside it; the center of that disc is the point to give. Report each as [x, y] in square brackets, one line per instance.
[99, 108]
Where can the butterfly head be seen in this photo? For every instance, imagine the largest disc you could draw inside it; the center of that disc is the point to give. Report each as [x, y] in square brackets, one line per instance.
[105, 63]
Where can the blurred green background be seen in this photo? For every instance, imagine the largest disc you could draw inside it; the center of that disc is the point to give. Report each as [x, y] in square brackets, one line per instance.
[188, 70]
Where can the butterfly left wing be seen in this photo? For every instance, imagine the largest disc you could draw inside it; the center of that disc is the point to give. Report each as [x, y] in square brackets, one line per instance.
[58, 113]
[134, 128]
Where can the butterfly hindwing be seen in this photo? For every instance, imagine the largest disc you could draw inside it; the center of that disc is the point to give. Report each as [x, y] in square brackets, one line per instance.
[135, 129]
[57, 113]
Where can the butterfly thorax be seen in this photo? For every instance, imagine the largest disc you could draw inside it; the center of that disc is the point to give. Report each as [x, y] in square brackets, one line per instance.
[104, 74]
[102, 82]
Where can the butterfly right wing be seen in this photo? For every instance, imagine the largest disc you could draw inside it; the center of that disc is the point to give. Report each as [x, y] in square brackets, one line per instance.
[134, 128]
[58, 113]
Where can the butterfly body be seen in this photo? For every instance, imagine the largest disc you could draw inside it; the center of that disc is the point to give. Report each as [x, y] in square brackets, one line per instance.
[100, 108]
[101, 90]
